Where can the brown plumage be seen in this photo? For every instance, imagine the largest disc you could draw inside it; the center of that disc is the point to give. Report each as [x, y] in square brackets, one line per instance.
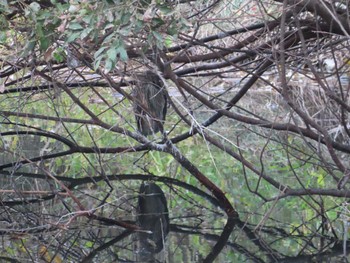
[153, 216]
[150, 103]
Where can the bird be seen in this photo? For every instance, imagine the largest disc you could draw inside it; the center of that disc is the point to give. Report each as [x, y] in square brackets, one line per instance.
[149, 103]
[153, 216]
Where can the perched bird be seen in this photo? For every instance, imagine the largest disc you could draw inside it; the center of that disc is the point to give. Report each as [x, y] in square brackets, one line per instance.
[150, 103]
[153, 216]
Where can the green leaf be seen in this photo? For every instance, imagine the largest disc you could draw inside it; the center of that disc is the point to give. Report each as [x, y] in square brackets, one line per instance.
[107, 39]
[108, 26]
[3, 22]
[110, 64]
[28, 48]
[62, 7]
[157, 22]
[89, 244]
[75, 26]
[125, 18]
[159, 39]
[3, 37]
[35, 7]
[320, 180]
[172, 30]
[85, 32]
[98, 52]
[122, 53]
[97, 62]
[44, 14]
[4, 7]
[166, 10]
[58, 55]
[87, 19]
[168, 41]
[110, 17]
[112, 54]
[44, 43]
[332, 215]
[157, 36]
[73, 37]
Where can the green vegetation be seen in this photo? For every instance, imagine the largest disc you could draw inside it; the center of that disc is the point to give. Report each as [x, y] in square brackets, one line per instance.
[253, 155]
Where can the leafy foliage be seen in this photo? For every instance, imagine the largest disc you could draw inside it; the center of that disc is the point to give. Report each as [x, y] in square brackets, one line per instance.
[255, 145]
